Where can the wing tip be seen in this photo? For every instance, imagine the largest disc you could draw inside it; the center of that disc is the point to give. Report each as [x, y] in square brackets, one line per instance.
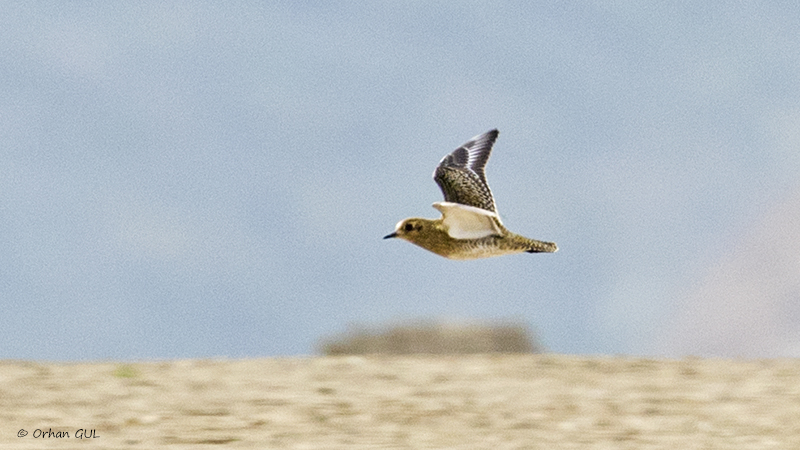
[490, 135]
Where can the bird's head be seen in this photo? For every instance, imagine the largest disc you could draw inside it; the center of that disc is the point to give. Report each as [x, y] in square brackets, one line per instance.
[409, 229]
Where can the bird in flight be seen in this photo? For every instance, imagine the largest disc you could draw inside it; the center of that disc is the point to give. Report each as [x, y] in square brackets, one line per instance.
[470, 227]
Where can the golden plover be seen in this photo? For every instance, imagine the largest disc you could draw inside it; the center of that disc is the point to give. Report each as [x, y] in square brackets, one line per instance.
[470, 227]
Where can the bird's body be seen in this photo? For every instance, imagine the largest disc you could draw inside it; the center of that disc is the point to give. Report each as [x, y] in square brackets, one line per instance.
[436, 239]
[469, 227]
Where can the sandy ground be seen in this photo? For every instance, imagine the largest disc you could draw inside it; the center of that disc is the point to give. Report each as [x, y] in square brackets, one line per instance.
[464, 402]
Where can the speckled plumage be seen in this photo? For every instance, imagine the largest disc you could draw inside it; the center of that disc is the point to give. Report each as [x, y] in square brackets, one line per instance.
[460, 175]
[470, 227]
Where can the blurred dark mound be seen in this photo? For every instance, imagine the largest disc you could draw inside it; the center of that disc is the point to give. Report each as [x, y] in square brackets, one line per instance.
[433, 338]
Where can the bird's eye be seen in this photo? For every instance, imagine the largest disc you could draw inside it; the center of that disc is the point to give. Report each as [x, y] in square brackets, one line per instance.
[408, 227]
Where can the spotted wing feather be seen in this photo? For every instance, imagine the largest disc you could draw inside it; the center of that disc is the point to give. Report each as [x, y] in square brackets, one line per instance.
[460, 175]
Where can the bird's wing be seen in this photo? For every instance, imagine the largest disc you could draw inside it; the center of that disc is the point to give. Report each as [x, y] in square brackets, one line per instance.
[460, 175]
[468, 222]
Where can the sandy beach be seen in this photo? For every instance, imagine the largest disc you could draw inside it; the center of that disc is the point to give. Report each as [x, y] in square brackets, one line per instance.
[465, 402]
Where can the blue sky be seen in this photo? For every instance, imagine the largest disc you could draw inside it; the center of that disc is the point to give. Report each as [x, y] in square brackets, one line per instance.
[193, 179]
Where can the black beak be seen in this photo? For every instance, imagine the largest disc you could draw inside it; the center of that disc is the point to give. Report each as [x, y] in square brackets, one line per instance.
[390, 235]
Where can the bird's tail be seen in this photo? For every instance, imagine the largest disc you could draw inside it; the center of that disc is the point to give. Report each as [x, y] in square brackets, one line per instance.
[535, 246]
